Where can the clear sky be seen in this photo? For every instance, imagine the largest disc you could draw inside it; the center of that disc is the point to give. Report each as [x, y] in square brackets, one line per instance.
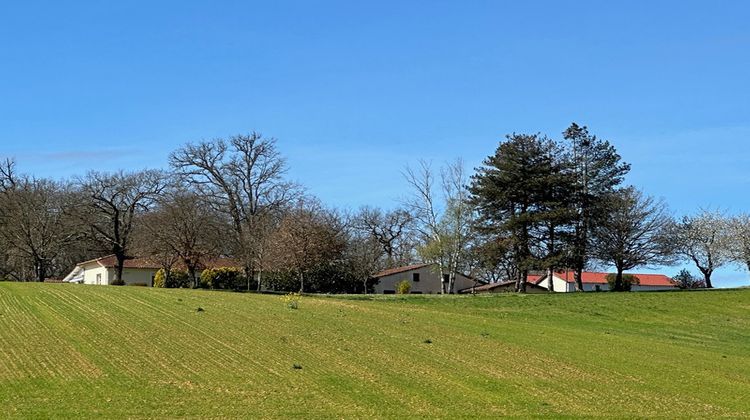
[354, 91]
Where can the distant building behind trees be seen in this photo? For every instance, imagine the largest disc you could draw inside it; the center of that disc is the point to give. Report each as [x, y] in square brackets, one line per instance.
[535, 205]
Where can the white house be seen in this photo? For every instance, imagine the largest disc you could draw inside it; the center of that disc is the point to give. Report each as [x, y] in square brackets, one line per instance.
[424, 279]
[136, 271]
[564, 281]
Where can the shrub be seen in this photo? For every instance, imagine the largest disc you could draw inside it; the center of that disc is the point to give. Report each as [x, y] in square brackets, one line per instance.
[177, 279]
[403, 287]
[159, 280]
[686, 280]
[292, 300]
[222, 278]
[280, 281]
[628, 280]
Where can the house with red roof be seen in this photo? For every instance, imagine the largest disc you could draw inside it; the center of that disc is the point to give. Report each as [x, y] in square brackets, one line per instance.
[136, 271]
[564, 281]
[424, 279]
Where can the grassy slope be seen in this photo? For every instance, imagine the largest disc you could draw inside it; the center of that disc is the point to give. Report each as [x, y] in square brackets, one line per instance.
[89, 351]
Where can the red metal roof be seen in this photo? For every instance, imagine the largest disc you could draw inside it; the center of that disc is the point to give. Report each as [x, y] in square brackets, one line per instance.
[590, 277]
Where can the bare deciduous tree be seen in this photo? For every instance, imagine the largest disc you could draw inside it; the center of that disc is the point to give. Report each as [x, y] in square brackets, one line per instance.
[308, 236]
[364, 254]
[242, 177]
[390, 229]
[740, 243]
[705, 240]
[635, 233]
[444, 225]
[111, 203]
[182, 228]
[37, 225]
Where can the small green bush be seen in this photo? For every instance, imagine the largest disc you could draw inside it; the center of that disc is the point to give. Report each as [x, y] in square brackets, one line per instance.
[403, 287]
[628, 280]
[222, 278]
[686, 280]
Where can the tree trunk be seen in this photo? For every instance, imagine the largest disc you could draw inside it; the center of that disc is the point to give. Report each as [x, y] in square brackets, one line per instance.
[618, 280]
[118, 281]
[578, 277]
[192, 272]
[248, 271]
[442, 279]
[707, 278]
[522, 285]
[550, 283]
[40, 271]
[167, 275]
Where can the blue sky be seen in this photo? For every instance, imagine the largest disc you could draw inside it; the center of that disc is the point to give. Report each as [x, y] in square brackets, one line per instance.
[355, 91]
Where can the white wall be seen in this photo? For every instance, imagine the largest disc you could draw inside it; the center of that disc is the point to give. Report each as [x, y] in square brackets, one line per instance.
[563, 286]
[90, 272]
[559, 284]
[429, 281]
[588, 287]
[137, 275]
[637, 288]
[129, 275]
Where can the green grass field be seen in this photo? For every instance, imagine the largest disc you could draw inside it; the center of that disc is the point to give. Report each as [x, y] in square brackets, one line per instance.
[87, 351]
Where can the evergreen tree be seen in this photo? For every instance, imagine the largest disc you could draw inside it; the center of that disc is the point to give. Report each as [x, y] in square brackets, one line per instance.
[598, 171]
[519, 195]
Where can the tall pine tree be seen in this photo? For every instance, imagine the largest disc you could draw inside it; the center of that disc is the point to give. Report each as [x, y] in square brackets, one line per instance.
[519, 193]
[598, 171]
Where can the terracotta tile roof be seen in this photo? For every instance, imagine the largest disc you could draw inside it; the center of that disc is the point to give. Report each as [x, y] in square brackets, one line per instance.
[110, 261]
[397, 270]
[589, 277]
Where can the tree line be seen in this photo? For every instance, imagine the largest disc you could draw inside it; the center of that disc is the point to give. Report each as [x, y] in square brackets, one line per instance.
[536, 205]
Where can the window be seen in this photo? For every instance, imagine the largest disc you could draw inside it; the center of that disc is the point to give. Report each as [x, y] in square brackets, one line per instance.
[415, 277]
[389, 292]
[416, 293]
[99, 278]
